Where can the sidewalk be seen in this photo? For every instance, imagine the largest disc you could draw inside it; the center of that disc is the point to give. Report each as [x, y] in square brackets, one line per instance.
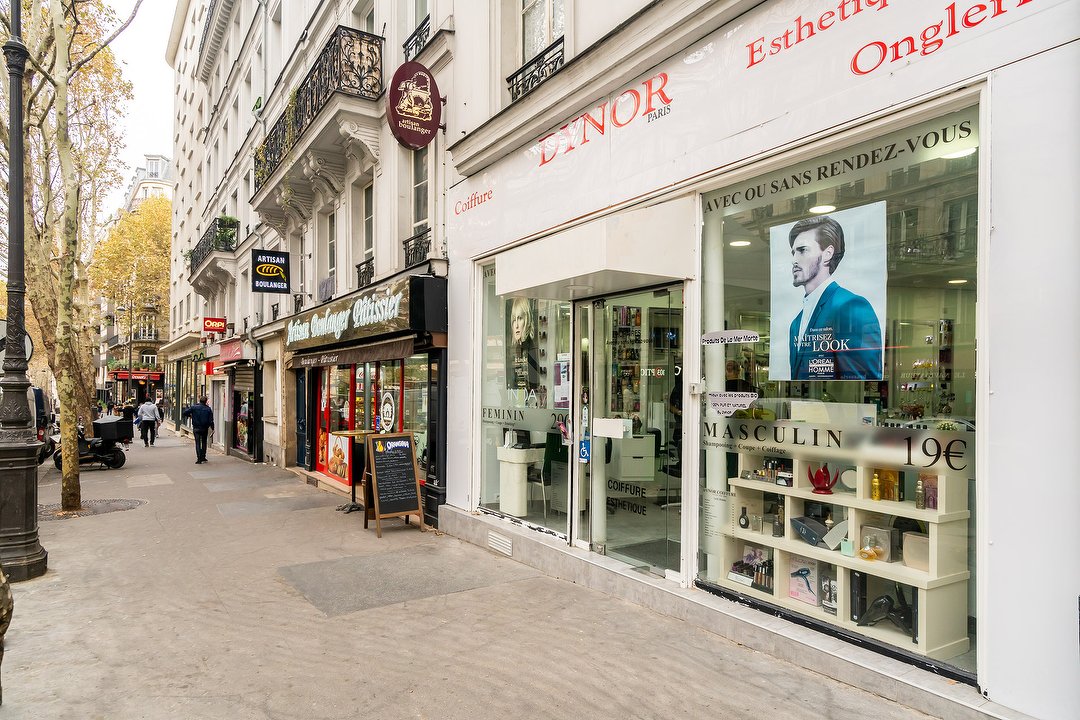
[237, 591]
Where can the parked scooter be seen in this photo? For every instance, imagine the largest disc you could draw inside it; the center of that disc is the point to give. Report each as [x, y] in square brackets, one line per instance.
[102, 449]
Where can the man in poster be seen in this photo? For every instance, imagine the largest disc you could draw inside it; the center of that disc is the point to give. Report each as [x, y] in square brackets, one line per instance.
[837, 334]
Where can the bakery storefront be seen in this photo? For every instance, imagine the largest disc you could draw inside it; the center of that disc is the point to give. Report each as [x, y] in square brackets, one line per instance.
[736, 352]
[373, 360]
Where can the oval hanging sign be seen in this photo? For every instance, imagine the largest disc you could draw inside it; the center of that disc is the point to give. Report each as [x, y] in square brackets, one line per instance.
[414, 106]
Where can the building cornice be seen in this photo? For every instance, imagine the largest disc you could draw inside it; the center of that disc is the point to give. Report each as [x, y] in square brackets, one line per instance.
[655, 34]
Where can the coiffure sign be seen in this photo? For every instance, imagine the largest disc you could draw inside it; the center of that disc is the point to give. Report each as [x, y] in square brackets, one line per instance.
[715, 102]
[213, 325]
[379, 311]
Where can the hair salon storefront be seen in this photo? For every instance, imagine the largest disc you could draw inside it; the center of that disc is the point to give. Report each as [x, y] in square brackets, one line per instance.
[373, 360]
[763, 384]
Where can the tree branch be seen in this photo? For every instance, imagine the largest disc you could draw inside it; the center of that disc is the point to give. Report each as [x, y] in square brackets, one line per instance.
[90, 56]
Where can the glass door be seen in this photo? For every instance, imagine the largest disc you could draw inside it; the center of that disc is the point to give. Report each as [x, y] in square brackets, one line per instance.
[630, 420]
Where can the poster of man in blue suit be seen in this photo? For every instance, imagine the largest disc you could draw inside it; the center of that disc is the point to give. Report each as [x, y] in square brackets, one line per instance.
[828, 296]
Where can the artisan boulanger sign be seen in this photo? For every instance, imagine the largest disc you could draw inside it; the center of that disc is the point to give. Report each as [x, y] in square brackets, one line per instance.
[379, 311]
[413, 105]
[269, 271]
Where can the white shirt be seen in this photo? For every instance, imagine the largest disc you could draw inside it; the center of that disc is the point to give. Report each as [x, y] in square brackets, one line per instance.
[809, 304]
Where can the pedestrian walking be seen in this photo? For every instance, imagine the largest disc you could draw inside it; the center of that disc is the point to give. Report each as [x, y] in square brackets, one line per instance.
[202, 425]
[148, 421]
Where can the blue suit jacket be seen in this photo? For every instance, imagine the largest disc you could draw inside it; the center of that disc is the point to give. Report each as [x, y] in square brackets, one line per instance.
[842, 341]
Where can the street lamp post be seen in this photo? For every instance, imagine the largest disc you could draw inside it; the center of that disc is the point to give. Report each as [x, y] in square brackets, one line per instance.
[20, 550]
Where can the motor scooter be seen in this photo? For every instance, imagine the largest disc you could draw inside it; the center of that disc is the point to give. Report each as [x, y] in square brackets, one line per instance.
[102, 449]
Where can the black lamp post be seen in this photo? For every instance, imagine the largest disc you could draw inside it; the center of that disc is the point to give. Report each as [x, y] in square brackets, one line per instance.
[20, 551]
[130, 341]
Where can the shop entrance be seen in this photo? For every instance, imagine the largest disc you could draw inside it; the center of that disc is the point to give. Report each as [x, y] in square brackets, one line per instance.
[629, 413]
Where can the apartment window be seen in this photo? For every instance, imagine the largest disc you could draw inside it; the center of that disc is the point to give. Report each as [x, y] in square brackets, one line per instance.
[369, 222]
[420, 191]
[331, 243]
[149, 359]
[363, 16]
[420, 11]
[542, 23]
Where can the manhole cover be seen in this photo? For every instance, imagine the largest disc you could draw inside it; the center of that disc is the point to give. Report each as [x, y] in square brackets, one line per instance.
[89, 507]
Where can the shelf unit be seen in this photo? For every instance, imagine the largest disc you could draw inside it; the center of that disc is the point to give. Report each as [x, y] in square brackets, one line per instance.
[938, 595]
[626, 344]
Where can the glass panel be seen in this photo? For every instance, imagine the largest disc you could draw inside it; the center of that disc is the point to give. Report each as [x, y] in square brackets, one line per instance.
[636, 475]
[331, 243]
[416, 403]
[389, 417]
[558, 20]
[858, 273]
[533, 28]
[337, 461]
[526, 400]
[369, 222]
[420, 190]
[363, 393]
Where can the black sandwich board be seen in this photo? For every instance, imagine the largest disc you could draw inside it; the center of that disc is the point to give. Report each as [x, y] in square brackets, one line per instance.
[395, 483]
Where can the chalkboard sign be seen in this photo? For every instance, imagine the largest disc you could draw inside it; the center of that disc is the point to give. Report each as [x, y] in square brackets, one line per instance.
[395, 487]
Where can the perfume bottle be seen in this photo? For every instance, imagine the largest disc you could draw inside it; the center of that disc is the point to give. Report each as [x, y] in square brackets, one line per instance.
[744, 520]
[875, 488]
[920, 496]
[778, 521]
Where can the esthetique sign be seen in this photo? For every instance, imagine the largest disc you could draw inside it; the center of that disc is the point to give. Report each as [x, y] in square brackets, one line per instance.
[379, 311]
[716, 102]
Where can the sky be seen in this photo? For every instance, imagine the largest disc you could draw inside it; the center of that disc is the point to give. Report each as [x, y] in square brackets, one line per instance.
[148, 127]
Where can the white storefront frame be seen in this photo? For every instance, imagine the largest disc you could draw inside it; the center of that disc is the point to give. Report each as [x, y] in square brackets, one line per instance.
[1006, 74]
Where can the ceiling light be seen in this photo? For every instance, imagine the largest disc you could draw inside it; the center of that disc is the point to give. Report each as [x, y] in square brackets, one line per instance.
[819, 209]
[960, 153]
[958, 282]
[739, 243]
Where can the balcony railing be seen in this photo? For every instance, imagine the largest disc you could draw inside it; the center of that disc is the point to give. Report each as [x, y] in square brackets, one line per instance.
[365, 273]
[536, 71]
[417, 248]
[113, 341]
[220, 236]
[418, 39]
[350, 63]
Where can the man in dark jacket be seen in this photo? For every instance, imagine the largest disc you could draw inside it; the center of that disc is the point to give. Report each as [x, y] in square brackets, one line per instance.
[202, 425]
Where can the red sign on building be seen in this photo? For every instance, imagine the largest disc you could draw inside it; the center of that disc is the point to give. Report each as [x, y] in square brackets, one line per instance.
[413, 105]
[213, 325]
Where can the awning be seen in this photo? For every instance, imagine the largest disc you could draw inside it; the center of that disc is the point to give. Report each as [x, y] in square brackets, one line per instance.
[220, 369]
[385, 350]
[635, 248]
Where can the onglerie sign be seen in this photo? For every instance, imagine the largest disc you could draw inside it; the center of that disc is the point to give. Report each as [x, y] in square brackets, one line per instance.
[413, 105]
[269, 271]
[213, 324]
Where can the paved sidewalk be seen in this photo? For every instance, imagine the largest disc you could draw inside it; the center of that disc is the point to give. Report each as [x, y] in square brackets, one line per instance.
[238, 591]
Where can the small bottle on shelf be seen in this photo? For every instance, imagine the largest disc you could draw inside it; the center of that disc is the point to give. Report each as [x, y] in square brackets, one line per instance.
[778, 520]
[920, 495]
[875, 488]
[744, 519]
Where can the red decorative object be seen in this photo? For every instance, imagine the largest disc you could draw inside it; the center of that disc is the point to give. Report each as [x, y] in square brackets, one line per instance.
[820, 480]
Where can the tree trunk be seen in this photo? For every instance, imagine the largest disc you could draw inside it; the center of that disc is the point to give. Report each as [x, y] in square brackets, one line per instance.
[66, 343]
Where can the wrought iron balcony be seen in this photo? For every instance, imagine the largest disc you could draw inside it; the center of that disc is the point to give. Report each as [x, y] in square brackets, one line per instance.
[207, 24]
[113, 341]
[351, 63]
[536, 71]
[418, 39]
[365, 273]
[417, 248]
[220, 236]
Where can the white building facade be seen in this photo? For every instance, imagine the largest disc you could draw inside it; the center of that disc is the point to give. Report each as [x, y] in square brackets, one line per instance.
[283, 148]
[659, 207]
